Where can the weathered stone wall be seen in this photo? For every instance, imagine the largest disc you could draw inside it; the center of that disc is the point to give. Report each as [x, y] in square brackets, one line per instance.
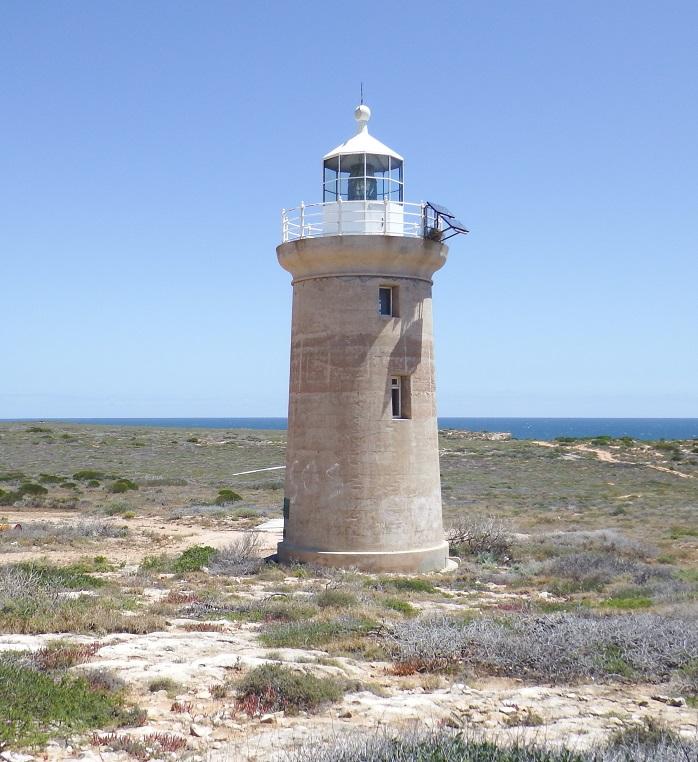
[363, 488]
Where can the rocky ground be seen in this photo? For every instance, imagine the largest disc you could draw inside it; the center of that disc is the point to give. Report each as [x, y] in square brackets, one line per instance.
[579, 714]
[605, 528]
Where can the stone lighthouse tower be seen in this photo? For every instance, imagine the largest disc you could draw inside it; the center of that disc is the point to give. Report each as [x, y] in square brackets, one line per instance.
[362, 468]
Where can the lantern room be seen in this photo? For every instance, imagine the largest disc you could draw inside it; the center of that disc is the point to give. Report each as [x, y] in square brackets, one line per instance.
[362, 184]
[362, 168]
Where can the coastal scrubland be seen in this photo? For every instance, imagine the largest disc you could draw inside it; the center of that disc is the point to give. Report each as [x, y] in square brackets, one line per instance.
[140, 619]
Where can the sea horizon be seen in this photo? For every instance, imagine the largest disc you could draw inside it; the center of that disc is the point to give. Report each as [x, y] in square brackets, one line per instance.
[545, 428]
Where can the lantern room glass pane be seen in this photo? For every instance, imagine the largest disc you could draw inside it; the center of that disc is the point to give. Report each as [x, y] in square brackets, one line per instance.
[330, 172]
[330, 191]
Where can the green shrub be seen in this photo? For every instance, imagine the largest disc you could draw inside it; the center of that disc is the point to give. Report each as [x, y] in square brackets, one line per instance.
[87, 474]
[677, 533]
[408, 584]
[627, 603]
[161, 563]
[93, 483]
[274, 610]
[312, 633]
[192, 559]
[337, 599]
[51, 479]
[227, 496]
[36, 706]
[397, 604]
[72, 576]
[244, 513]
[274, 688]
[28, 488]
[122, 485]
[12, 476]
[164, 684]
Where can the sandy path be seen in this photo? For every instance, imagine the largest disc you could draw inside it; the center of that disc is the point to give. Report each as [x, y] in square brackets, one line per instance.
[607, 457]
[147, 536]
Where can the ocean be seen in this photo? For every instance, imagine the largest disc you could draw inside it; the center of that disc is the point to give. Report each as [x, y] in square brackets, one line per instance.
[520, 428]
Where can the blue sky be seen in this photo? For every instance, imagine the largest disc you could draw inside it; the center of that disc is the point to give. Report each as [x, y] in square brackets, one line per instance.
[146, 150]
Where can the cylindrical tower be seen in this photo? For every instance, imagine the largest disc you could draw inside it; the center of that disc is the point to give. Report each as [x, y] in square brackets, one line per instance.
[362, 468]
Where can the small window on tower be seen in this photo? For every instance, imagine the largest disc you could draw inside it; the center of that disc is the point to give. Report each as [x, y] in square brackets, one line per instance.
[387, 301]
[400, 397]
[396, 396]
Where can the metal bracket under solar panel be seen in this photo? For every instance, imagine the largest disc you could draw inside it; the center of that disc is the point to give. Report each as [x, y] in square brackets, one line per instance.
[446, 221]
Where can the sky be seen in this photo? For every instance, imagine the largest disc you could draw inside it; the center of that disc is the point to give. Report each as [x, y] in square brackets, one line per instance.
[146, 150]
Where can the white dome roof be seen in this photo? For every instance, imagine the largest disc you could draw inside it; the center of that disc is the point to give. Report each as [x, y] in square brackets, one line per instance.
[362, 142]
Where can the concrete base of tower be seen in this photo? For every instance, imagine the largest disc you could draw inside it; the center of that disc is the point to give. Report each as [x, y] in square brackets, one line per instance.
[403, 561]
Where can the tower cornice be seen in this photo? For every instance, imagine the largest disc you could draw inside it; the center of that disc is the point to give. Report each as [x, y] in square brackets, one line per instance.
[357, 255]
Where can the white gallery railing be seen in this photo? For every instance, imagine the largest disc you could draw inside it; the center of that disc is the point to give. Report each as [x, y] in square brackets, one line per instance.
[357, 218]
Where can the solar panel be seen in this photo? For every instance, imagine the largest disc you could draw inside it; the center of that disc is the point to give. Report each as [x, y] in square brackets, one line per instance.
[440, 210]
[457, 225]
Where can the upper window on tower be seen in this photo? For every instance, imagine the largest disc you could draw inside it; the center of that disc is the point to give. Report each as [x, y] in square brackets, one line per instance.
[362, 177]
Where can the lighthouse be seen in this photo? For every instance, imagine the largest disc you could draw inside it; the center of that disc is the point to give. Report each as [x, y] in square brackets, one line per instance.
[362, 486]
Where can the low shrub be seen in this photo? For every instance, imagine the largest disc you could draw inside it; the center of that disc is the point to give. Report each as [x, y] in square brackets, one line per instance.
[48, 532]
[238, 558]
[308, 634]
[477, 536]
[116, 509]
[144, 747]
[33, 600]
[122, 485]
[34, 576]
[399, 605]
[164, 684]
[87, 474]
[29, 488]
[194, 558]
[203, 627]
[276, 609]
[405, 584]
[60, 654]
[103, 680]
[160, 563]
[556, 647]
[9, 497]
[274, 688]
[36, 706]
[635, 745]
[244, 513]
[336, 599]
[598, 540]
[51, 479]
[227, 496]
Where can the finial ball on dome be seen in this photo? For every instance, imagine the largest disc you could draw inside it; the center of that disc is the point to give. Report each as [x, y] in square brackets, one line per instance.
[362, 113]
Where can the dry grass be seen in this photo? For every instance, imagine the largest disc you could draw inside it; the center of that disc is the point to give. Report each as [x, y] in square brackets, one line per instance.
[240, 557]
[648, 744]
[556, 648]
